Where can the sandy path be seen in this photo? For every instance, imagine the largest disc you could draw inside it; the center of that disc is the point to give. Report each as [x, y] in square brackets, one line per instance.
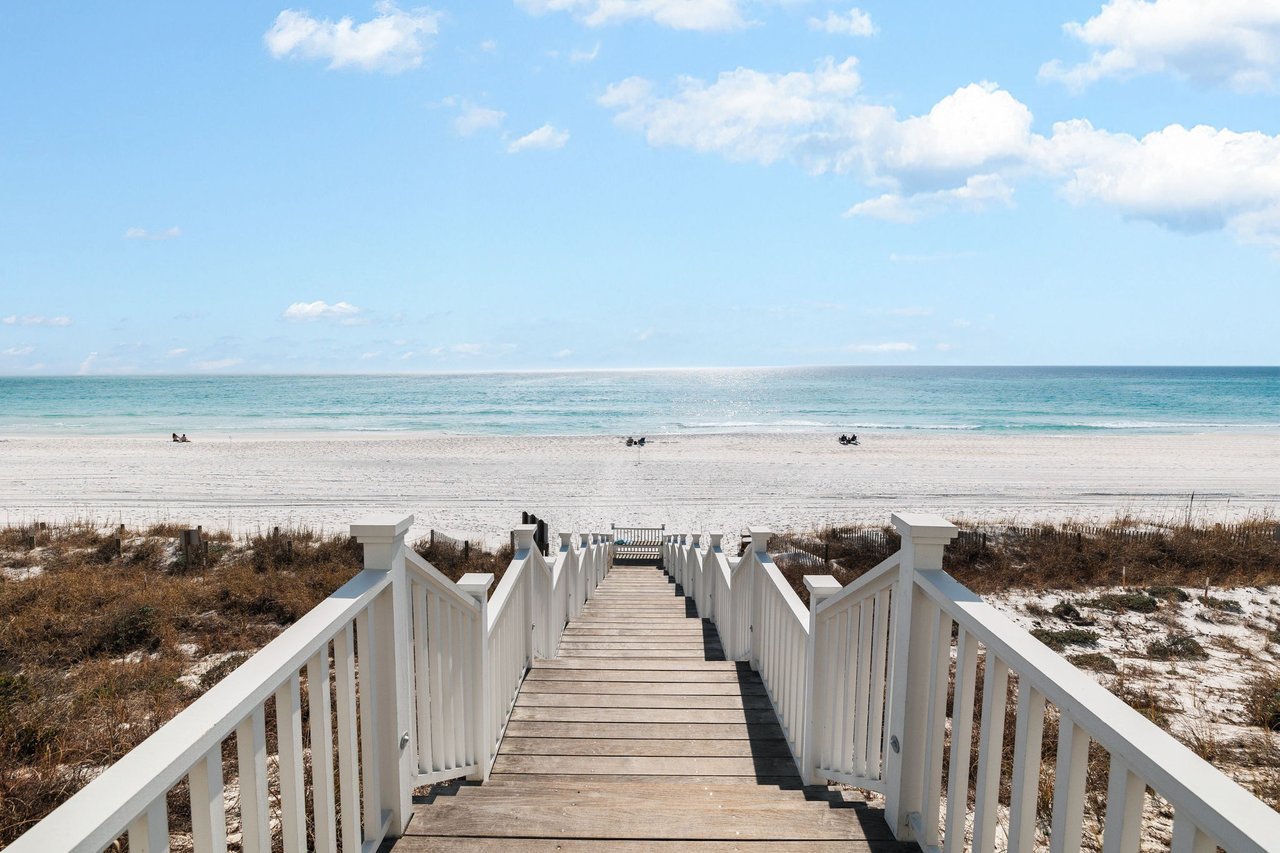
[476, 486]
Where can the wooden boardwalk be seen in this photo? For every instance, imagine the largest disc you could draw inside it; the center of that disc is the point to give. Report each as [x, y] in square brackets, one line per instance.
[641, 736]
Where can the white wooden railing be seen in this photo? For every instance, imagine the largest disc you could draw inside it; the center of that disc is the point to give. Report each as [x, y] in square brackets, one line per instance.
[860, 682]
[416, 674]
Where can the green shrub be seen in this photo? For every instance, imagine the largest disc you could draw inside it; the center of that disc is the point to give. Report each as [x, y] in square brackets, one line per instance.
[1096, 661]
[1121, 602]
[1169, 593]
[1059, 640]
[1177, 647]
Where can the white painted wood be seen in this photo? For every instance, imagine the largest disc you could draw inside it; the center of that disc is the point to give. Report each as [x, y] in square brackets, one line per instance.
[1122, 828]
[293, 812]
[1217, 805]
[1070, 774]
[149, 832]
[961, 741]
[849, 722]
[251, 761]
[320, 713]
[208, 808]
[422, 690]
[370, 755]
[1027, 741]
[990, 744]
[877, 703]
[1188, 839]
[477, 586]
[858, 726]
[935, 728]
[344, 683]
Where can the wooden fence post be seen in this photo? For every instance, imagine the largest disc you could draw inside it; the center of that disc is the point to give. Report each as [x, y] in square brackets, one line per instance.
[476, 585]
[821, 587]
[759, 544]
[923, 539]
[383, 540]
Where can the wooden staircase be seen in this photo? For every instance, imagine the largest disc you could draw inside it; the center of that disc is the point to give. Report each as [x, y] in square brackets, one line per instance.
[641, 736]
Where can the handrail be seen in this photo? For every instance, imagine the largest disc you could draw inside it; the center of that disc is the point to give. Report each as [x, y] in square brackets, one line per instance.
[419, 569]
[100, 812]
[1216, 805]
[873, 579]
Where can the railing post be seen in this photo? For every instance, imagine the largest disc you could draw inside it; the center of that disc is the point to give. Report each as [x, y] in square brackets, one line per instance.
[923, 539]
[821, 587]
[759, 545]
[606, 553]
[382, 538]
[693, 569]
[586, 571]
[713, 582]
[476, 585]
[523, 534]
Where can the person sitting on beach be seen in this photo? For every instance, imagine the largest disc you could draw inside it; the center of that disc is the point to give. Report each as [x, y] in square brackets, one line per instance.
[844, 439]
[630, 441]
[641, 441]
[175, 437]
[184, 438]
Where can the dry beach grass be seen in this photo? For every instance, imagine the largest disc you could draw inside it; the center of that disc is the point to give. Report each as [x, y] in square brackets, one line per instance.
[102, 641]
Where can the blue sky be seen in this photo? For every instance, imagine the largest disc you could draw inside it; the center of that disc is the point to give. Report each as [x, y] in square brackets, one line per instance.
[355, 187]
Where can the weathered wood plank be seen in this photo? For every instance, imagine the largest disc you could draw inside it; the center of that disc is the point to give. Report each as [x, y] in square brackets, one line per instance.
[513, 745]
[643, 715]
[642, 700]
[439, 844]
[648, 731]
[638, 819]
[646, 765]
[659, 676]
[654, 663]
[535, 686]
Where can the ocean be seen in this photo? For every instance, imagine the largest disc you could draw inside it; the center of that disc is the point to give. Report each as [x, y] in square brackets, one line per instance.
[810, 399]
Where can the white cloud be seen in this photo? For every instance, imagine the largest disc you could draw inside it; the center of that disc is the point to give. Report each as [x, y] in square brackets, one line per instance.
[1214, 42]
[564, 353]
[217, 364]
[35, 320]
[17, 351]
[576, 56]
[912, 311]
[304, 312]
[855, 22]
[977, 193]
[488, 45]
[393, 40]
[881, 348]
[467, 349]
[545, 137]
[474, 118]
[365, 356]
[676, 14]
[1185, 179]
[175, 353]
[144, 234]
[820, 121]
[944, 347]
[87, 364]
[965, 153]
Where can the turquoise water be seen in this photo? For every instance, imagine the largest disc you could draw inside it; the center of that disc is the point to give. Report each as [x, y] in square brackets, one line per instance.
[871, 399]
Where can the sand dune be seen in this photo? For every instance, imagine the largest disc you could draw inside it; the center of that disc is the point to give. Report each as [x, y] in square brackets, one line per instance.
[476, 486]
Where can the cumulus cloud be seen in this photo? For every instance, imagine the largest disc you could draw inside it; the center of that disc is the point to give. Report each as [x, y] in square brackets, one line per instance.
[17, 351]
[576, 56]
[473, 118]
[393, 40]
[1235, 43]
[977, 194]
[676, 14]
[1185, 179]
[855, 22]
[897, 346]
[819, 120]
[544, 138]
[305, 312]
[87, 365]
[35, 320]
[966, 153]
[144, 234]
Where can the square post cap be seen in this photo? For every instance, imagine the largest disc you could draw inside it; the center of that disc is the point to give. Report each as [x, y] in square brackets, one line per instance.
[820, 588]
[759, 538]
[565, 539]
[715, 540]
[925, 529]
[524, 536]
[695, 539]
[476, 585]
[381, 529]
[585, 540]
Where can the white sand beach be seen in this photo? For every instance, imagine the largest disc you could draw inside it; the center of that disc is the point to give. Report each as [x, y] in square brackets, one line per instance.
[476, 486]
